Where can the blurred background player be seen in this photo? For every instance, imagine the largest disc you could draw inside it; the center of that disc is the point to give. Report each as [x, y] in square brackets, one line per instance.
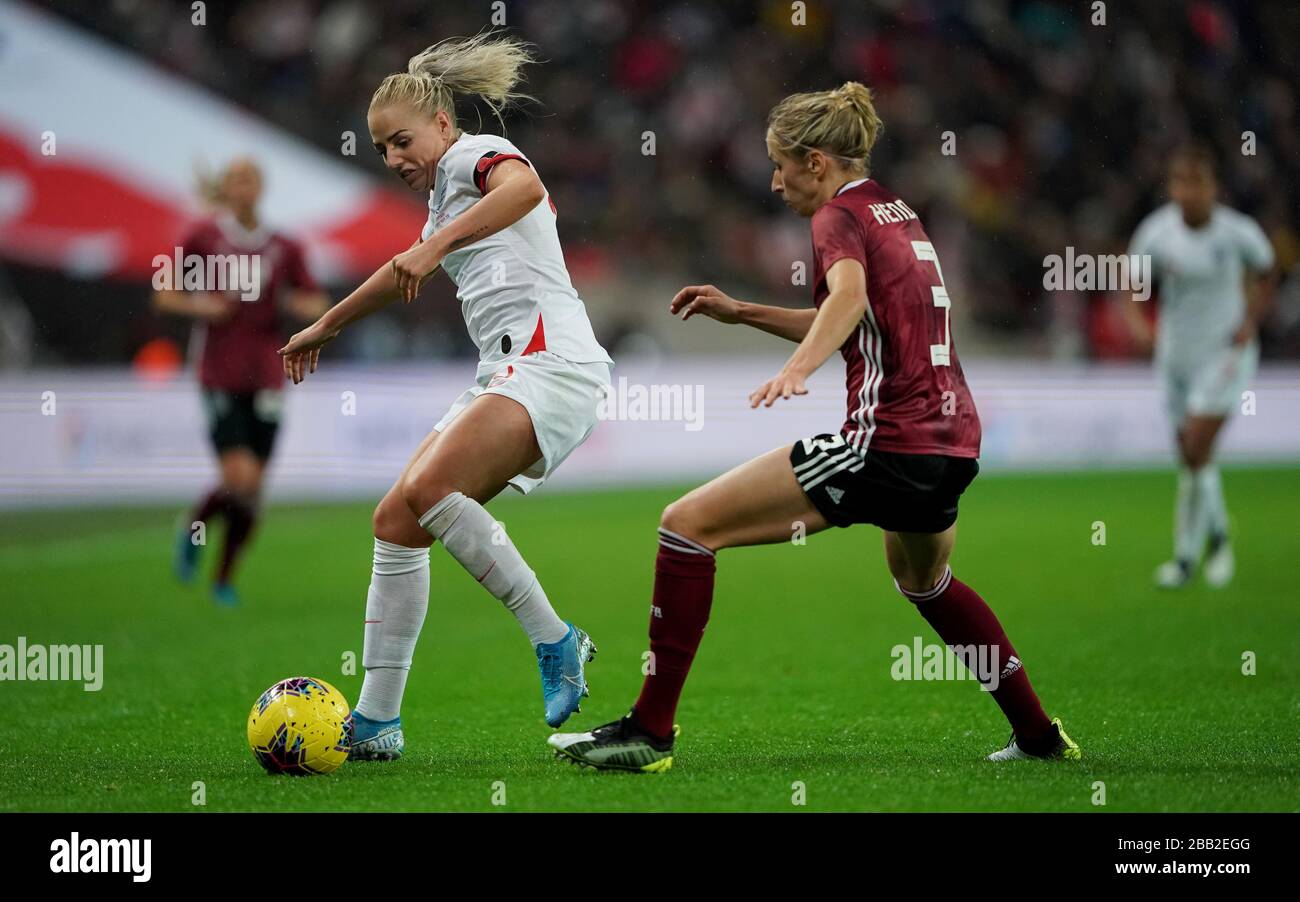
[540, 375]
[239, 370]
[1212, 264]
[906, 452]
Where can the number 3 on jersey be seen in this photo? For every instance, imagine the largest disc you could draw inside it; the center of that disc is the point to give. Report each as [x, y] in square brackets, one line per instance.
[924, 250]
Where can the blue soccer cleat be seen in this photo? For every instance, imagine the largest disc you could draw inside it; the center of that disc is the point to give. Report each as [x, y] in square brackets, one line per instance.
[375, 740]
[185, 559]
[224, 594]
[563, 682]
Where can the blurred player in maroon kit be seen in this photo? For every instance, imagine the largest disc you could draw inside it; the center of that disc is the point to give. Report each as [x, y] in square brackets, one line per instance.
[907, 450]
[240, 372]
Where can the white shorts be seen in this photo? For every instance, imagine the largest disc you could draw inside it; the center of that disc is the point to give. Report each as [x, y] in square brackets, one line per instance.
[1210, 386]
[561, 398]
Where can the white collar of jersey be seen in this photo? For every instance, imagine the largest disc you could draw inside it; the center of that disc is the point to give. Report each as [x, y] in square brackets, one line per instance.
[440, 171]
[853, 184]
[455, 146]
[236, 234]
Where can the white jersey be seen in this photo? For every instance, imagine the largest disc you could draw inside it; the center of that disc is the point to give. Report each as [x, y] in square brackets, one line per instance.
[514, 288]
[1200, 271]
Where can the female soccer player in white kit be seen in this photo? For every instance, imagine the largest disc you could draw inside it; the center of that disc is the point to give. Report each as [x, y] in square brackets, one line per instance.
[1207, 257]
[540, 376]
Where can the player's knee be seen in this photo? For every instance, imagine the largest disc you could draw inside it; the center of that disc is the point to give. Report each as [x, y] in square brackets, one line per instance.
[911, 581]
[381, 519]
[248, 500]
[233, 482]
[422, 494]
[896, 561]
[917, 564]
[684, 518]
[393, 522]
[241, 476]
[386, 520]
[1196, 455]
[918, 579]
[245, 489]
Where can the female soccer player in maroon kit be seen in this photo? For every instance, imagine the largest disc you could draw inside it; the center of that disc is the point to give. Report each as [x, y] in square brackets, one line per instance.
[908, 447]
[240, 372]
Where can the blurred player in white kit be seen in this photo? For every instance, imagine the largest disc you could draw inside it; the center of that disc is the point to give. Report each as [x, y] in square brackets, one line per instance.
[1211, 263]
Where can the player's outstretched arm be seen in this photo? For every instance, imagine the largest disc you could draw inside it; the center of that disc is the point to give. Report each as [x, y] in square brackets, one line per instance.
[836, 319]
[710, 301]
[302, 353]
[307, 306]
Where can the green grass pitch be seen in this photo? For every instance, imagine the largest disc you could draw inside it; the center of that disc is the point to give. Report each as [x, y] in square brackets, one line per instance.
[792, 684]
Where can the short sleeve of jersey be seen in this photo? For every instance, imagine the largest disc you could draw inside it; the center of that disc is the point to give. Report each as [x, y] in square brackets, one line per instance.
[1256, 250]
[498, 151]
[1143, 241]
[837, 234]
[475, 160]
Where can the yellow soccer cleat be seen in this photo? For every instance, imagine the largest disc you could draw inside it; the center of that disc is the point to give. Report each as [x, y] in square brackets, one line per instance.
[618, 745]
[1065, 748]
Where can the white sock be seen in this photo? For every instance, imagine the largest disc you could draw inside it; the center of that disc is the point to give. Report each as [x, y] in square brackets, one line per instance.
[1211, 491]
[1184, 508]
[1194, 512]
[395, 609]
[482, 547]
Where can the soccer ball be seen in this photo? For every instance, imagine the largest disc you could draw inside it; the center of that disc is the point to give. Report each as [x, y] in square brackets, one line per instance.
[300, 726]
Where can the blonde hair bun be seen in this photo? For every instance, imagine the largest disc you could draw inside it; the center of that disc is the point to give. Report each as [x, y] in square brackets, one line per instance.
[841, 123]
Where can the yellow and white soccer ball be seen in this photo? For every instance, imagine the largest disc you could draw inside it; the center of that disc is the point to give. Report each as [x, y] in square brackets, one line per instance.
[300, 726]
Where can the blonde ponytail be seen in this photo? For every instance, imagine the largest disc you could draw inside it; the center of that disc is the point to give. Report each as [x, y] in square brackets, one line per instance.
[841, 123]
[483, 66]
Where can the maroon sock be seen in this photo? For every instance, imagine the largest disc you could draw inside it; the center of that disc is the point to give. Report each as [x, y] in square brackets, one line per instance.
[241, 516]
[961, 617]
[215, 502]
[682, 597]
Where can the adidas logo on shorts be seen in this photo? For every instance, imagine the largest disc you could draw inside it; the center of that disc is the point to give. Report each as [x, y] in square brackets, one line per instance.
[836, 494]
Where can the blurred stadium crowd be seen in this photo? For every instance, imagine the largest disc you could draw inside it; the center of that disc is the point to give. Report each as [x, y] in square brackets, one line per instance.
[1062, 128]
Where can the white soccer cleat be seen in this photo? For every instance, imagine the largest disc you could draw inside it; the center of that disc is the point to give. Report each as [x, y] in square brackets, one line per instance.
[1173, 574]
[1012, 752]
[1220, 566]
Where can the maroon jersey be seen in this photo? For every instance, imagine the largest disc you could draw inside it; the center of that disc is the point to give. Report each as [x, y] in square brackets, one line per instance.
[240, 352]
[906, 390]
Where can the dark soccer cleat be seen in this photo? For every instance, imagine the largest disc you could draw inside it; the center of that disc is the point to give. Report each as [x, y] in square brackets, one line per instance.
[619, 745]
[1063, 749]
